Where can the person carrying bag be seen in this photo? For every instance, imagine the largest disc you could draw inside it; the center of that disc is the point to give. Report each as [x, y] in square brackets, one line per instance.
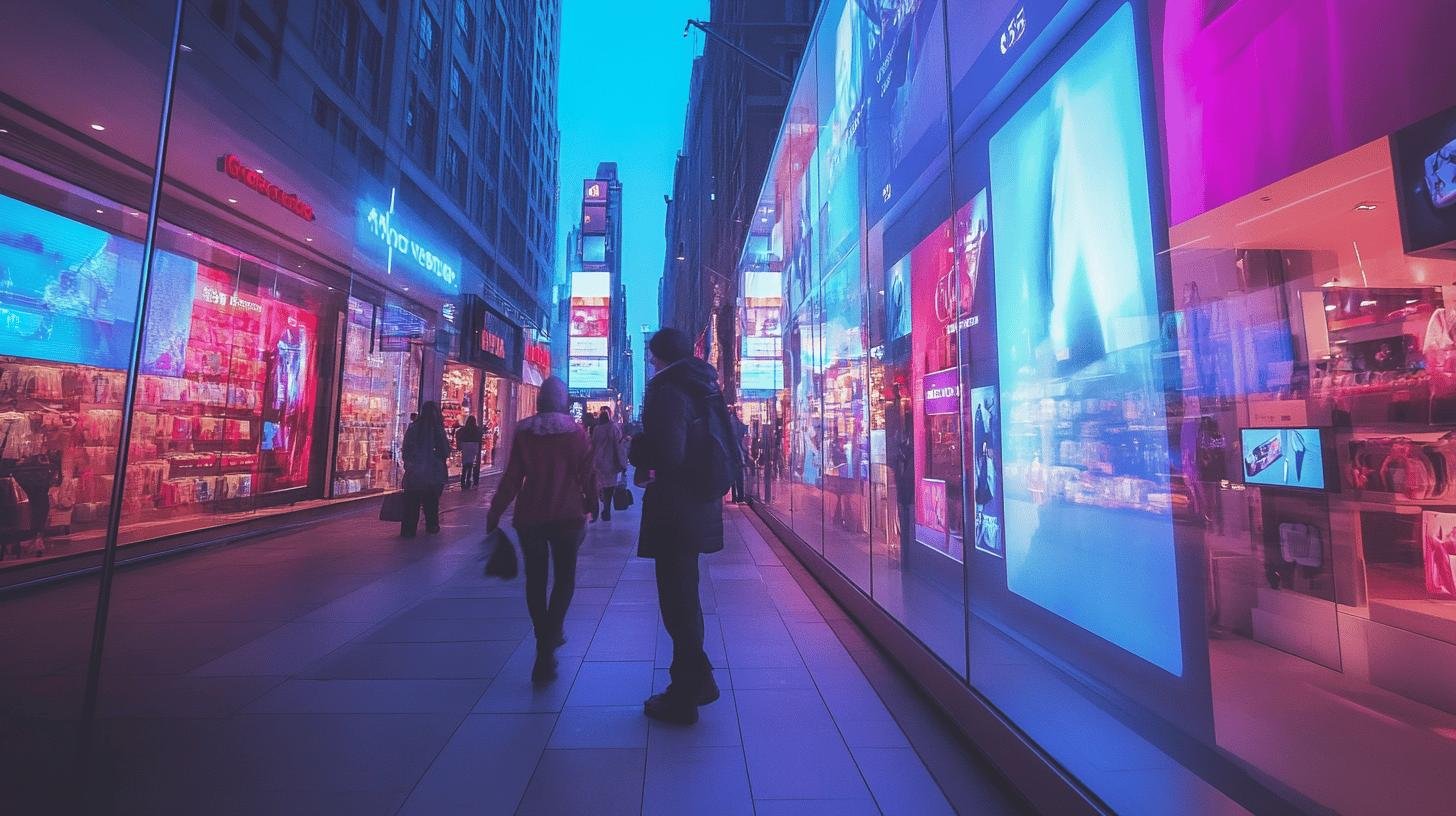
[550, 477]
[608, 459]
[425, 450]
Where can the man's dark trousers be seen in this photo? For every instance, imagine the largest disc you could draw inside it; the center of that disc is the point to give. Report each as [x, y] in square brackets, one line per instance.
[682, 615]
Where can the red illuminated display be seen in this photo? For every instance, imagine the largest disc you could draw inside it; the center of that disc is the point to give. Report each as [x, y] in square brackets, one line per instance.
[253, 180]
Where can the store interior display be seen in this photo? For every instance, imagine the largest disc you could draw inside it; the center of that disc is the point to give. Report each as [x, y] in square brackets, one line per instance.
[380, 390]
[1284, 457]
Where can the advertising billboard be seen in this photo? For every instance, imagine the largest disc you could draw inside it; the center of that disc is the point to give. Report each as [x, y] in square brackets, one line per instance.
[1077, 315]
[587, 372]
[594, 220]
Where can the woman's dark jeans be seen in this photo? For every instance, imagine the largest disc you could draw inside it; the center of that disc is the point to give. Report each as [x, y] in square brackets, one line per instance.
[556, 544]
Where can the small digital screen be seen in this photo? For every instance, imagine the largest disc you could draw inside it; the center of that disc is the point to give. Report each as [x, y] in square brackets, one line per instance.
[587, 372]
[1283, 457]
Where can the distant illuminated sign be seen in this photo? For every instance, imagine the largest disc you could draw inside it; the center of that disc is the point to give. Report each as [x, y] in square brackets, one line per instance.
[587, 372]
[594, 220]
[594, 249]
[594, 191]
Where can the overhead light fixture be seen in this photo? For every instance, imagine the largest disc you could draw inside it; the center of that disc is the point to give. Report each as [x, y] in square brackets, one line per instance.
[1412, 300]
[3, 130]
[232, 201]
[97, 127]
[310, 240]
[1330, 308]
[1331, 282]
[1364, 206]
[186, 49]
[101, 212]
[1368, 302]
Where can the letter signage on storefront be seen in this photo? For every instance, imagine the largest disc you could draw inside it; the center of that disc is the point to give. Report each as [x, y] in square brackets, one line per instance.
[390, 232]
[234, 168]
[942, 392]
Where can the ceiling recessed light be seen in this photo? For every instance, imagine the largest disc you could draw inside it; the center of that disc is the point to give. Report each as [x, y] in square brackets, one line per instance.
[1412, 300]
[98, 127]
[310, 240]
[1364, 206]
[186, 49]
[232, 201]
[1368, 302]
[406, 288]
[101, 212]
[1330, 308]
[3, 130]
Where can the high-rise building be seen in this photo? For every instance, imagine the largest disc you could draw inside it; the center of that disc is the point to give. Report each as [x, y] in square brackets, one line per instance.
[355, 215]
[734, 110]
[597, 323]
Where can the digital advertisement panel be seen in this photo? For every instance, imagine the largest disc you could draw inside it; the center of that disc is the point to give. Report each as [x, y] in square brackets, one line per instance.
[588, 347]
[985, 412]
[589, 321]
[906, 98]
[760, 374]
[1077, 323]
[68, 291]
[1283, 457]
[169, 315]
[936, 394]
[587, 372]
[289, 340]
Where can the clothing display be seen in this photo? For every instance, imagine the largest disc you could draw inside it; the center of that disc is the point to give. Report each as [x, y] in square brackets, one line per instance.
[380, 390]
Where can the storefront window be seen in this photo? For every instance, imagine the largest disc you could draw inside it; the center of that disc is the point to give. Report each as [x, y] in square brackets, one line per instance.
[380, 390]
[459, 399]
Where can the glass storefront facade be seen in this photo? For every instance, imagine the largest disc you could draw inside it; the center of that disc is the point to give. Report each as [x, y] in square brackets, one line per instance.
[299, 289]
[1102, 345]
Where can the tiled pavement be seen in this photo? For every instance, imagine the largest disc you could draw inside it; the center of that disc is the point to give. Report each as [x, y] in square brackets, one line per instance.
[390, 677]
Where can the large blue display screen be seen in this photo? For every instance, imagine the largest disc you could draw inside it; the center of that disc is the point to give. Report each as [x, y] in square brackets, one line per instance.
[1089, 527]
[68, 291]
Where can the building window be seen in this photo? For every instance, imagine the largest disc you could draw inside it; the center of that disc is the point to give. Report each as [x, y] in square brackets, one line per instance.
[422, 122]
[487, 144]
[427, 46]
[455, 169]
[325, 113]
[465, 25]
[460, 95]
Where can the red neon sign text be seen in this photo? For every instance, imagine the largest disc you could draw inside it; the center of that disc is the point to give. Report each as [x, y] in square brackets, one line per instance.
[253, 180]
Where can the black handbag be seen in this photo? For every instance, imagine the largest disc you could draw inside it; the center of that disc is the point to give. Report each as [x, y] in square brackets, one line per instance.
[393, 508]
[501, 562]
[621, 498]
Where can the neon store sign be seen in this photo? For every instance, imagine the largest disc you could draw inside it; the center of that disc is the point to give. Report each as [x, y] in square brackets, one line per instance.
[234, 168]
[401, 241]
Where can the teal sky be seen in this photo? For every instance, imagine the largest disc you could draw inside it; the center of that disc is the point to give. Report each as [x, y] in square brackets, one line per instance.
[624, 87]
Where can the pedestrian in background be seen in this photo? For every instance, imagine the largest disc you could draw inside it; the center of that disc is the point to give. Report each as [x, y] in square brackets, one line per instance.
[550, 476]
[425, 450]
[468, 439]
[740, 439]
[609, 459]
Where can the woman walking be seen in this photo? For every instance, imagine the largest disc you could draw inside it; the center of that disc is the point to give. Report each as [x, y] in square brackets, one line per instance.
[549, 475]
[468, 439]
[425, 449]
[607, 458]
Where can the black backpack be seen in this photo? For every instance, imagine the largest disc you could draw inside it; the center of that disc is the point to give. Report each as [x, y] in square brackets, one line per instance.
[712, 454]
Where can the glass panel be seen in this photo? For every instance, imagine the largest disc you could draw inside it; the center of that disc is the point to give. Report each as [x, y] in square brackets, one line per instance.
[380, 390]
[82, 84]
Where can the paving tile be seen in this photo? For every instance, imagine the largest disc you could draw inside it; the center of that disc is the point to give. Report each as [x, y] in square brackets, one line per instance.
[416, 660]
[308, 696]
[794, 750]
[445, 630]
[772, 678]
[600, 727]
[900, 783]
[815, 807]
[513, 692]
[758, 642]
[625, 634]
[598, 781]
[249, 802]
[484, 768]
[437, 608]
[611, 684]
[701, 780]
[181, 696]
[712, 644]
[284, 650]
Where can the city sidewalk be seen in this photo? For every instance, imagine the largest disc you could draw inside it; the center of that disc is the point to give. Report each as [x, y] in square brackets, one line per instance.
[339, 669]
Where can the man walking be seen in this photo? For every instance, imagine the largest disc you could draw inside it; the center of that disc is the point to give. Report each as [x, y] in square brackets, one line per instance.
[685, 456]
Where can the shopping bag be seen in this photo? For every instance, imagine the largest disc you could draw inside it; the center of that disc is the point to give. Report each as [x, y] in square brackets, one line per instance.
[393, 508]
[500, 561]
[621, 498]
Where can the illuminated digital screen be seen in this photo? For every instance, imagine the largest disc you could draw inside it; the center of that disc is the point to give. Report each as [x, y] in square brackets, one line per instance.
[755, 374]
[68, 291]
[587, 372]
[1283, 457]
[594, 191]
[594, 249]
[588, 347]
[594, 220]
[1077, 316]
[591, 285]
